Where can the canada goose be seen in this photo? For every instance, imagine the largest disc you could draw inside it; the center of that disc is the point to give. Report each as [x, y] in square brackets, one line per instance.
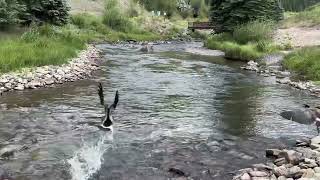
[107, 120]
[307, 115]
[315, 115]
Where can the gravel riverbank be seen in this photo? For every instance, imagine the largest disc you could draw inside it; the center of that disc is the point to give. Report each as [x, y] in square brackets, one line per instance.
[301, 162]
[78, 68]
[282, 77]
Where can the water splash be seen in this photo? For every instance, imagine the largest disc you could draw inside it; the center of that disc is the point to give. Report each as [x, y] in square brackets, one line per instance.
[88, 160]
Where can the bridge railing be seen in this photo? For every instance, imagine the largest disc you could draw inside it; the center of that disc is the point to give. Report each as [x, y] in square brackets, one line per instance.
[199, 25]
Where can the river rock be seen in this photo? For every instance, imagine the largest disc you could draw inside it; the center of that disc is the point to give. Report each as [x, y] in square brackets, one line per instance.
[308, 163]
[245, 176]
[315, 143]
[262, 167]
[291, 156]
[282, 178]
[273, 153]
[49, 81]
[258, 174]
[294, 172]
[308, 153]
[3, 80]
[280, 171]
[280, 161]
[303, 142]
[19, 87]
[8, 85]
[308, 173]
[285, 73]
[317, 169]
[283, 81]
[177, 171]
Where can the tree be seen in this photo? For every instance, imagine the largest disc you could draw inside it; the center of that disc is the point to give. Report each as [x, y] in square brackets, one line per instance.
[225, 15]
[45, 11]
[9, 11]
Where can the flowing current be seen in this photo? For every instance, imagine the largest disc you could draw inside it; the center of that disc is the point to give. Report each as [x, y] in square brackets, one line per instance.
[199, 114]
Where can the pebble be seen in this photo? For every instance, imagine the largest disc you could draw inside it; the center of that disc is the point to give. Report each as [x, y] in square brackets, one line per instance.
[78, 68]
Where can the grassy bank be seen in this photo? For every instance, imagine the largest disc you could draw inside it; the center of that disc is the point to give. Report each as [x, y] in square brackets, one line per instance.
[248, 42]
[307, 18]
[45, 45]
[305, 62]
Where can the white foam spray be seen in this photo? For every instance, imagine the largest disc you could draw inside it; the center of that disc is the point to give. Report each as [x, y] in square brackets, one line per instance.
[89, 158]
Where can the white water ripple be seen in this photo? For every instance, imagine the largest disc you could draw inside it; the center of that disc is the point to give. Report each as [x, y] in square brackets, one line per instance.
[88, 159]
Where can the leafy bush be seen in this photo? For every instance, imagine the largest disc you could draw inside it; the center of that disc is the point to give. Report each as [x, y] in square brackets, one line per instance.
[114, 18]
[305, 62]
[226, 15]
[253, 32]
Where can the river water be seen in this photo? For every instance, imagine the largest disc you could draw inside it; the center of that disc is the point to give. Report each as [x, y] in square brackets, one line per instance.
[201, 115]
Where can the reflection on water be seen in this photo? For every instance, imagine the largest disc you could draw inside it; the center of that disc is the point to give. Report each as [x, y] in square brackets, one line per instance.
[199, 114]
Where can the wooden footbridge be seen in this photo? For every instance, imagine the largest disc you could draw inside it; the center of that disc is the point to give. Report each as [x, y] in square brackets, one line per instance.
[199, 25]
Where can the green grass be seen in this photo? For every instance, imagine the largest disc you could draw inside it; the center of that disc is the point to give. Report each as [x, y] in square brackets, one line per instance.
[253, 32]
[248, 42]
[35, 48]
[308, 18]
[305, 62]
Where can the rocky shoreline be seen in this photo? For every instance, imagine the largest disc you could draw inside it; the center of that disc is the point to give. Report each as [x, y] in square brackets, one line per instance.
[301, 162]
[78, 68]
[282, 77]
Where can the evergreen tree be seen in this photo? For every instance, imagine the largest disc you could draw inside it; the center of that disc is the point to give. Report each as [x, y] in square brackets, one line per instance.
[45, 11]
[225, 15]
[9, 11]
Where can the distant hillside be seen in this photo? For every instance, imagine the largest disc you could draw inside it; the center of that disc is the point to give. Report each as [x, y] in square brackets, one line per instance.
[91, 6]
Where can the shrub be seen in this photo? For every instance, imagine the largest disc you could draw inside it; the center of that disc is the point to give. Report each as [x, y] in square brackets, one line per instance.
[114, 18]
[233, 50]
[305, 62]
[253, 32]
